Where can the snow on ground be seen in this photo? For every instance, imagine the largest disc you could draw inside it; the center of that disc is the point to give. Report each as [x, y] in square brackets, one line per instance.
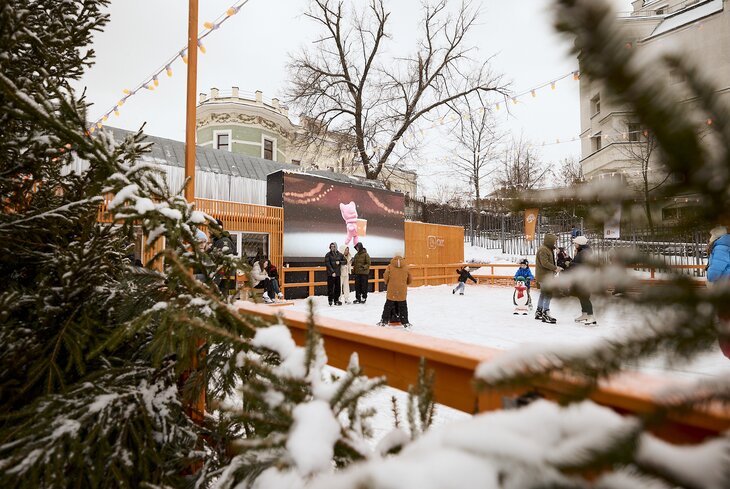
[477, 254]
[483, 316]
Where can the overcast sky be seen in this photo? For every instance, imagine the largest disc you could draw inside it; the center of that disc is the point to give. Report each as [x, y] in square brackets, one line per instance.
[251, 50]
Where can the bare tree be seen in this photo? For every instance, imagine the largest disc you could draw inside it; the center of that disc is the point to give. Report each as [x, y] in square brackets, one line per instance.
[569, 172]
[348, 85]
[476, 141]
[521, 168]
[641, 150]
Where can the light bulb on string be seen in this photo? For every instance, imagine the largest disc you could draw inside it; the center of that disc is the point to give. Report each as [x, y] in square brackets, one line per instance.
[116, 112]
[156, 81]
[232, 11]
[576, 75]
[150, 86]
[497, 106]
[121, 102]
[210, 25]
[168, 70]
[99, 125]
[709, 122]
[534, 94]
[201, 47]
[105, 118]
[552, 85]
[184, 56]
[126, 91]
[514, 100]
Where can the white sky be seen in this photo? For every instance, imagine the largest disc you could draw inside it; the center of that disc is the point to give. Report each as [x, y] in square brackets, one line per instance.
[251, 51]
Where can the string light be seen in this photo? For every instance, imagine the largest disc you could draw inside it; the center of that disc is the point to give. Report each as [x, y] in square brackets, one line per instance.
[153, 79]
[534, 94]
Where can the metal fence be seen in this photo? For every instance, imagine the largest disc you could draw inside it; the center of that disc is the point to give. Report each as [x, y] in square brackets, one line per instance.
[669, 245]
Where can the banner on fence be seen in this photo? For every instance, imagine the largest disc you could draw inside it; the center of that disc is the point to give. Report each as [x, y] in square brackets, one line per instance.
[612, 226]
[530, 223]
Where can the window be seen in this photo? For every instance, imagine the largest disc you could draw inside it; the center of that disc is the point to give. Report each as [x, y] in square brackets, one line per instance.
[253, 245]
[597, 142]
[659, 11]
[596, 104]
[223, 141]
[634, 132]
[296, 162]
[268, 149]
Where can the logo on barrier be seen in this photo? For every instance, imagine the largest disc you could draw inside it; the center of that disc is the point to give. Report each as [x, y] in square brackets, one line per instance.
[436, 242]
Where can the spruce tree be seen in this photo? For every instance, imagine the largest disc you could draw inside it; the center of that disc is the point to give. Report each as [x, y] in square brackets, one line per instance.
[101, 359]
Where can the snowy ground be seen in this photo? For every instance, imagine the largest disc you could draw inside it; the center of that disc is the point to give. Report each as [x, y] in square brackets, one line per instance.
[483, 316]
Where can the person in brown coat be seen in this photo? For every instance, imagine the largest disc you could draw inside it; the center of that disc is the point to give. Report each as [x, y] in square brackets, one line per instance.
[397, 278]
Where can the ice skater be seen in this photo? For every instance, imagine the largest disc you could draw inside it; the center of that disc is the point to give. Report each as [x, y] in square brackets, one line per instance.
[582, 250]
[397, 278]
[526, 274]
[464, 275]
[545, 270]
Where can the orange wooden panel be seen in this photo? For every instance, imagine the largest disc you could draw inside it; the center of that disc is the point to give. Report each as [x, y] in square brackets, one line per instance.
[433, 243]
[395, 354]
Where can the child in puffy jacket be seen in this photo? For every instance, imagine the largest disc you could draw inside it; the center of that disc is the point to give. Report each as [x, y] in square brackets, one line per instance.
[464, 275]
[526, 274]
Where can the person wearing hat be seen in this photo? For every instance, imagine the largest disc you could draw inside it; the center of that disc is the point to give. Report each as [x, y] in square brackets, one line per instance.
[582, 251]
[397, 278]
[718, 269]
[545, 270]
[464, 275]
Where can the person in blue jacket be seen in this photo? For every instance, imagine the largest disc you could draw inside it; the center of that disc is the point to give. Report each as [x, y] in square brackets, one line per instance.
[718, 268]
[525, 272]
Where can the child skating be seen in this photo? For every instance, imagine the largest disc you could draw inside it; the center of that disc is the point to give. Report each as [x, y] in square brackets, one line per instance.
[526, 274]
[464, 275]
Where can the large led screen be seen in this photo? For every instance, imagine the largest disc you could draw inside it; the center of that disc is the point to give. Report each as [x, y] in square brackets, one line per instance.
[318, 211]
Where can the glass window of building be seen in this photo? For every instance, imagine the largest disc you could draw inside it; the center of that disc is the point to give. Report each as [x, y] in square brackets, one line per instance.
[268, 149]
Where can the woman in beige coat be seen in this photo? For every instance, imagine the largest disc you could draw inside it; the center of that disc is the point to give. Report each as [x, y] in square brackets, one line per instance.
[345, 269]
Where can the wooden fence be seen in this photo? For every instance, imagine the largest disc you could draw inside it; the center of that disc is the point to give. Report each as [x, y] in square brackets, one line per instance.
[396, 355]
[235, 217]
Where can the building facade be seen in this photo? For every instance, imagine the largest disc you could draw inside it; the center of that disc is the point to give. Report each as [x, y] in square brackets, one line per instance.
[613, 143]
[245, 123]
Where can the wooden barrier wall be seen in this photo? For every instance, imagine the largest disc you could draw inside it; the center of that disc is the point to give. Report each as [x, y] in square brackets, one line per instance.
[235, 217]
[433, 244]
[396, 354]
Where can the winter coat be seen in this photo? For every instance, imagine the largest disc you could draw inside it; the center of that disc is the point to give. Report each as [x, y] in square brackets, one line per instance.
[719, 260]
[397, 277]
[272, 272]
[562, 259]
[257, 275]
[333, 260]
[224, 244]
[361, 262]
[581, 256]
[526, 273]
[464, 275]
[545, 259]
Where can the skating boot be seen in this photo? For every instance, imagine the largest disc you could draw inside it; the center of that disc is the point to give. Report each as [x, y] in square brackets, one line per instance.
[382, 324]
[538, 314]
[590, 321]
[581, 318]
[547, 318]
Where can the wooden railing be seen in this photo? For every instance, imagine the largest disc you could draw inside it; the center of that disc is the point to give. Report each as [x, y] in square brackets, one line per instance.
[396, 355]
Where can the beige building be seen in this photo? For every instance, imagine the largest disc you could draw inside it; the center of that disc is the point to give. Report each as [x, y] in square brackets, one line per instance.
[246, 123]
[612, 142]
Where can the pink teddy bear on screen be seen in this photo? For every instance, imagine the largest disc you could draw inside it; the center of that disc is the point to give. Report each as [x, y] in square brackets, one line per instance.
[349, 214]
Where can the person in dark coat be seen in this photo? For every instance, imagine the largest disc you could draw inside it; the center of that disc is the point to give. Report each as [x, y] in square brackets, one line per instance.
[563, 259]
[332, 261]
[718, 269]
[273, 274]
[464, 275]
[223, 244]
[582, 251]
[545, 270]
[361, 271]
[397, 278]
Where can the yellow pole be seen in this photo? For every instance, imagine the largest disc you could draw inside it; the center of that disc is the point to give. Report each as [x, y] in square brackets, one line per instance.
[190, 105]
[197, 410]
